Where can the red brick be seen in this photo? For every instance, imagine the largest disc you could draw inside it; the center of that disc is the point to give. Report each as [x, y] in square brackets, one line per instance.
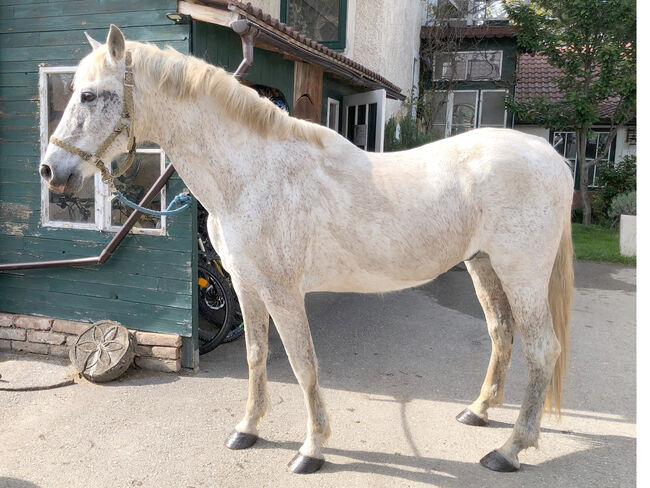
[30, 322]
[164, 365]
[5, 344]
[165, 352]
[6, 319]
[45, 337]
[30, 347]
[155, 339]
[69, 326]
[60, 351]
[13, 334]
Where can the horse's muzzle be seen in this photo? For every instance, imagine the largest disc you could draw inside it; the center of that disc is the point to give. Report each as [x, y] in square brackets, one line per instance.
[68, 182]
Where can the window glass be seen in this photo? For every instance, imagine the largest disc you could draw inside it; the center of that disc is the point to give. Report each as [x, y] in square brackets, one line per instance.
[471, 65]
[133, 184]
[493, 108]
[484, 66]
[62, 207]
[92, 207]
[464, 112]
[318, 19]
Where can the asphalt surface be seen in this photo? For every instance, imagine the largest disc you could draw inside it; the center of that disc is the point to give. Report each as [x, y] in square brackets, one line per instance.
[395, 370]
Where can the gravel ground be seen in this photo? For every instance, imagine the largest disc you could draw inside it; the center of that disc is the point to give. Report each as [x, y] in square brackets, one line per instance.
[395, 370]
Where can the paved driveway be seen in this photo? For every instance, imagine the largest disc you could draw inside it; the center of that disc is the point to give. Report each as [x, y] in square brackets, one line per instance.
[395, 369]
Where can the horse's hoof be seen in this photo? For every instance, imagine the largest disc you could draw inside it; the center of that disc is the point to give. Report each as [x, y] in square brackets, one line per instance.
[305, 464]
[468, 417]
[240, 440]
[497, 462]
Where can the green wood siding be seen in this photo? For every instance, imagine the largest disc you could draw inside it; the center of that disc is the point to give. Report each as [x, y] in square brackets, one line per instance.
[148, 283]
[222, 47]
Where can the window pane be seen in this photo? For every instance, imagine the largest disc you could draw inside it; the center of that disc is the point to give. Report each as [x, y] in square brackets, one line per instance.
[77, 208]
[559, 141]
[493, 109]
[65, 208]
[484, 65]
[318, 19]
[592, 142]
[571, 151]
[464, 110]
[133, 185]
[450, 67]
[372, 127]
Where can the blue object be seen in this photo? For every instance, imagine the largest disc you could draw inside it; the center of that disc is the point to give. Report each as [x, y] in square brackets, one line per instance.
[181, 199]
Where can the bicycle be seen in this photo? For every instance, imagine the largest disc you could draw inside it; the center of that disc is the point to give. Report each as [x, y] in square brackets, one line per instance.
[220, 319]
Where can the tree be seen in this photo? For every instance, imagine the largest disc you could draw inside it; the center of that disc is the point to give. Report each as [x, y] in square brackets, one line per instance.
[593, 45]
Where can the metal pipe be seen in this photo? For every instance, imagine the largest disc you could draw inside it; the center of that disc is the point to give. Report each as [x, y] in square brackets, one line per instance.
[248, 32]
[111, 246]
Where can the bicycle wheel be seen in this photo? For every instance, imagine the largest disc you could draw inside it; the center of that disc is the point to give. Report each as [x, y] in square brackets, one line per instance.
[215, 307]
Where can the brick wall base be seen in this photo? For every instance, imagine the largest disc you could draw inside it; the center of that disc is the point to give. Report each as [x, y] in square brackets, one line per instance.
[43, 335]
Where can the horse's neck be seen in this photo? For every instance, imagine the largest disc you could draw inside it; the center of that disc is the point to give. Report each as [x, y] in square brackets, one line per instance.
[203, 145]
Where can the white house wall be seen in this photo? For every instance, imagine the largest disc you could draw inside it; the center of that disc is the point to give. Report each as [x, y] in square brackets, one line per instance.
[384, 36]
[622, 146]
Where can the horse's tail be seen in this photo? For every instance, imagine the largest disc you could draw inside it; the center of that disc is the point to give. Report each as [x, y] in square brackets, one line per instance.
[560, 292]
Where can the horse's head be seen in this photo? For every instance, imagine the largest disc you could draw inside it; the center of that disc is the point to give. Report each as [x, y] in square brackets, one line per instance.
[91, 117]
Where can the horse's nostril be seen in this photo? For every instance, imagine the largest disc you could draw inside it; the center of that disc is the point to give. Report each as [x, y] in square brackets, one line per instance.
[46, 172]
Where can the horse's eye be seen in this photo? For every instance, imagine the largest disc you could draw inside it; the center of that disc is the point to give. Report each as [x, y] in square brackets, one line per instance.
[88, 96]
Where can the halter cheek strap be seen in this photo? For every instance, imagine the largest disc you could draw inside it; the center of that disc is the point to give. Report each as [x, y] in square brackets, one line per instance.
[125, 123]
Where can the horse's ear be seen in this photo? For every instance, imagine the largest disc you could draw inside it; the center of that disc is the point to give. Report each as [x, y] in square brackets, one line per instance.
[95, 44]
[116, 44]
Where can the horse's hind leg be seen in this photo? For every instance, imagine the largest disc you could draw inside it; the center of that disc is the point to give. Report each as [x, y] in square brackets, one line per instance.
[290, 319]
[256, 328]
[529, 304]
[501, 328]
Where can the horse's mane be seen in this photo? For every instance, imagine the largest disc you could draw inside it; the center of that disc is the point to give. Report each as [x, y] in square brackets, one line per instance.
[186, 77]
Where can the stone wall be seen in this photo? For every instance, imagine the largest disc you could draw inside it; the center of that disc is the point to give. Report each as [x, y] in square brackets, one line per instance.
[44, 335]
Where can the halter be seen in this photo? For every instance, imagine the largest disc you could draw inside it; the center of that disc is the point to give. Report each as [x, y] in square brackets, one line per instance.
[125, 123]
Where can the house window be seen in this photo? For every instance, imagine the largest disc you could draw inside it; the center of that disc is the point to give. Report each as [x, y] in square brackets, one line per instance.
[468, 65]
[333, 107]
[321, 20]
[93, 207]
[564, 143]
[458, 111]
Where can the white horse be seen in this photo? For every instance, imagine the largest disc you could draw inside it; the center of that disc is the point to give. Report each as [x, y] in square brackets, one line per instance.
[296, 208]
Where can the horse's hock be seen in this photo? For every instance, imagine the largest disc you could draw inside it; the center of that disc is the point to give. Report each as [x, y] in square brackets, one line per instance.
[54, 337]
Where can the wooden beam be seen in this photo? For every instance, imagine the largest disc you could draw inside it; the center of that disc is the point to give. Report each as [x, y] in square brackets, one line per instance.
[210, 15]
[308, 91]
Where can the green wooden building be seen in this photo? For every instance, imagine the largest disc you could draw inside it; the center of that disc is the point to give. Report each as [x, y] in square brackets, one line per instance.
[149, 282]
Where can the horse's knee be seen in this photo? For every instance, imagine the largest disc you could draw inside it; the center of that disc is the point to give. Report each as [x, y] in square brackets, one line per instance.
[256, 356]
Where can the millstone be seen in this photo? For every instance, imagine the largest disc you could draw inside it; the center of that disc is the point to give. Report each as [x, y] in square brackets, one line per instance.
[103, 352]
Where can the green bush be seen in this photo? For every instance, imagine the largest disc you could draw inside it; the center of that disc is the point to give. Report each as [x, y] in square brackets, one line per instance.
[616, 178]
[622, 204]
[410, 135]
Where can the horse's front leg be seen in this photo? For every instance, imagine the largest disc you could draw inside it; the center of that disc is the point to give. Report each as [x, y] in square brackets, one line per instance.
[290, 319]
[256, 328]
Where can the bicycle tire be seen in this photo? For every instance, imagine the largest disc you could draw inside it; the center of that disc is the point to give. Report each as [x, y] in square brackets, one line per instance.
[235, 333]
[216, 306]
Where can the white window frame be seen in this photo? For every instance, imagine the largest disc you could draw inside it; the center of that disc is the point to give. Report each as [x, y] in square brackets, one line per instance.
[574, 160]
[337, 103]
[480, 109]
[466, 55]
[103, 196]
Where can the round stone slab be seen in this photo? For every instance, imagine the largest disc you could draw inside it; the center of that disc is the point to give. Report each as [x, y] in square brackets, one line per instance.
[103, 352]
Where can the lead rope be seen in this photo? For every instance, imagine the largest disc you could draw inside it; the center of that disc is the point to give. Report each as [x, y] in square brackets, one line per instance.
[127, 110]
